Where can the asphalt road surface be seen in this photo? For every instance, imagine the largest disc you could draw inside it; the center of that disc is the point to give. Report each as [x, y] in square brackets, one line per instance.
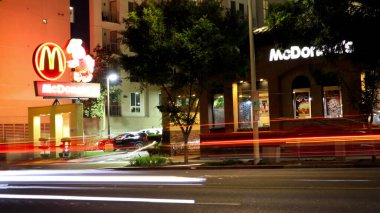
[238, 190]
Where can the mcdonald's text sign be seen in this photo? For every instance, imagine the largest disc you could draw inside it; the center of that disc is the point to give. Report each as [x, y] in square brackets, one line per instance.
[66, 89]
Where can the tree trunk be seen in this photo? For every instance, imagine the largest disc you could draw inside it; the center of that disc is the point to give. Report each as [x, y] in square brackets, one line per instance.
[186, 149]
[370, 123]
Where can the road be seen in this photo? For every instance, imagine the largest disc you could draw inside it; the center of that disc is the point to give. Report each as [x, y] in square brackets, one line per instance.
[237, 190]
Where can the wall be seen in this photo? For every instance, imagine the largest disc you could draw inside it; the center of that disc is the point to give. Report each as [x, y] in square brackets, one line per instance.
[149, 116]
[22, 30]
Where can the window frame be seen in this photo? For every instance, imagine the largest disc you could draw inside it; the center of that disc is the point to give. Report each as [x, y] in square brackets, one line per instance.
[135, 105]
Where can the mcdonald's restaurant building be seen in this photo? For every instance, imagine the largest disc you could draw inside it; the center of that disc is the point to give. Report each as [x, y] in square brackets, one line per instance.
[38, 117]
[299, 91]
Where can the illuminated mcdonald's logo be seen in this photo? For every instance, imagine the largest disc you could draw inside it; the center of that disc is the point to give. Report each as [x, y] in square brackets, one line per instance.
[49, 61]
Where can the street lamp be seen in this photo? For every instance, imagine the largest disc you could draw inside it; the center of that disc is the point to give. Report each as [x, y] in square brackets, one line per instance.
[110, 77]
[255, 101]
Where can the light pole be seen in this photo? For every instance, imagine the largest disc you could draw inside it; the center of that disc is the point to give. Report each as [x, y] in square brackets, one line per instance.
[110, 77]
[254, 94]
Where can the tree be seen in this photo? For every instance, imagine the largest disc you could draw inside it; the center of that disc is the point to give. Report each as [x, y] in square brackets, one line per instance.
[325, 24]
[181, 45]
[104, 62]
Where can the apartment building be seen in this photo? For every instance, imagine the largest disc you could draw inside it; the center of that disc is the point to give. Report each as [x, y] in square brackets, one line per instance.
[98, 23]
[137, 109]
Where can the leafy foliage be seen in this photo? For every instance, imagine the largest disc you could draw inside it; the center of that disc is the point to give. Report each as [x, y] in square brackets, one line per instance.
[93, 107]
[105, 62]
[148, 161]
[181, 46]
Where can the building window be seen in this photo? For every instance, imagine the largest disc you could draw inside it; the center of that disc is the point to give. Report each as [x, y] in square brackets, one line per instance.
[110, 40]
[301, 97]
[245, 104]
[362, 80]
[113, 12]
[264, 120]
[115, 109]
[72, 15]
[332, 101]
[114, 44]
[135, 102]
[218, 111]
[233, 6]
[241, 9]
[110, 12]
[302, 103]
[131, 7]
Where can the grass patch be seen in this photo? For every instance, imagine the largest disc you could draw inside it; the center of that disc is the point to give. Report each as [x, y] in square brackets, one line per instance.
[97, 153]
[148, 161]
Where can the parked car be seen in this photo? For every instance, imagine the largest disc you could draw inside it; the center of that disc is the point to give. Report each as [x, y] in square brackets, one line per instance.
[125, 141]
[154, 134]
[152, 131]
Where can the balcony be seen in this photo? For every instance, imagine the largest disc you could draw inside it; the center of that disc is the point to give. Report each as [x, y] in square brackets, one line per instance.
[113, 48]
[110, 17]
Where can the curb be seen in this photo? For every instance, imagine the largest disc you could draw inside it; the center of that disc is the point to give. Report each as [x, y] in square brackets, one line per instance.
[196, 167]
[199, 167]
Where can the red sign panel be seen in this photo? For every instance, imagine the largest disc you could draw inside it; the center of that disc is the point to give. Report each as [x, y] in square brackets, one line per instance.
[67, 89]
[49, 61]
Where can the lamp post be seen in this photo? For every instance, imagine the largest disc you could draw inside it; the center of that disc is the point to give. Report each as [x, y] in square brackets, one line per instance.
[254, 94]
[111, 77]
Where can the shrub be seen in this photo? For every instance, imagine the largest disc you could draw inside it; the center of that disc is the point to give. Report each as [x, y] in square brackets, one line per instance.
[155, 137]
[148, 161]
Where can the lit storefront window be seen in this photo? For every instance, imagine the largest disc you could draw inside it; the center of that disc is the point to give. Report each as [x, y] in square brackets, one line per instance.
[245, 104]
[362, 81]
[218, 111]
[301, 103]
[332, 100]
[264, 109]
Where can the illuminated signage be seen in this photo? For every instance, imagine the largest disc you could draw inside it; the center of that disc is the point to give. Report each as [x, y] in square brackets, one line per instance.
[81, 63]
[49, 61]
[67, 89]
[296, 52]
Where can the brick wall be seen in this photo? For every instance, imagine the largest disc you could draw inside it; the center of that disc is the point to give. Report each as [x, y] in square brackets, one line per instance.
[176, 142]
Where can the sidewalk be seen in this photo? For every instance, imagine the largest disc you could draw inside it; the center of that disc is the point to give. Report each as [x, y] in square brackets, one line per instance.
[196, 163]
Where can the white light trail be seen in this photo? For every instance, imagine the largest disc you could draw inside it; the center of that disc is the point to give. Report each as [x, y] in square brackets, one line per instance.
[86, 198]
[97, 179]
[52, 172]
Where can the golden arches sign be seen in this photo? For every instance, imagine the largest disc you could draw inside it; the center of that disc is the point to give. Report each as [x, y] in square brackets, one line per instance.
[49, 61]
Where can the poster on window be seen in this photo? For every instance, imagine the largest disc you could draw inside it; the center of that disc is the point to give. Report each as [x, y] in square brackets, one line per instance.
[264, 107]
[302, 104]
[333, 103]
